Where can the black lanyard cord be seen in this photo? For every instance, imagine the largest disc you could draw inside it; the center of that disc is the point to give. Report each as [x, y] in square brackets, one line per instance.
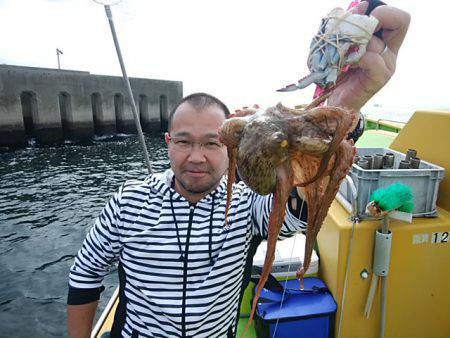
[176, 226]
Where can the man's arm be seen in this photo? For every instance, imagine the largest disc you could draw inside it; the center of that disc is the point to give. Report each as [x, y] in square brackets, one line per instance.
[80, 319]
[100, 248]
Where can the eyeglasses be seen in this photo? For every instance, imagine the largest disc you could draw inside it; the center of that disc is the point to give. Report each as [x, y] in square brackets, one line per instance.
[183, 144]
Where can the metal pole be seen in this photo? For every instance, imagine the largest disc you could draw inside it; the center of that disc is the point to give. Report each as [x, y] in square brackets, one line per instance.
[384, 281]
[57, 55]
[128, 87]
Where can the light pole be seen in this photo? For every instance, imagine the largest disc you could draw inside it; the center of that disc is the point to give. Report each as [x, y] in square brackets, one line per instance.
[58, 52]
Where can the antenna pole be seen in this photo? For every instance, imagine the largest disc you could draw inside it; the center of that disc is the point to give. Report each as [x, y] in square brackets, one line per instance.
[128, 87]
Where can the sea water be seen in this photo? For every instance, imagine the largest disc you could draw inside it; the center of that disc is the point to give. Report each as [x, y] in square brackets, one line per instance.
[49, 199]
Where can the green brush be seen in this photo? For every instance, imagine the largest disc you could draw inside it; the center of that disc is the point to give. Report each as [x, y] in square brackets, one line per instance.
[395, 197]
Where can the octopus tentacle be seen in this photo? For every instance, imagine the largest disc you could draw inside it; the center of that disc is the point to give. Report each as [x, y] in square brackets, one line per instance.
[341, 132]
[230, 134]
[343, 162]
[232, 165]
[319, 99]
[287, 110]
[276, 219]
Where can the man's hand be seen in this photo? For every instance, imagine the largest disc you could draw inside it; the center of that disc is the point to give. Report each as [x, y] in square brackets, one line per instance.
[377, 66]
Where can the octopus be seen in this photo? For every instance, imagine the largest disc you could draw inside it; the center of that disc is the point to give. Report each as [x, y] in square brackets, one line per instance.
[278, 149]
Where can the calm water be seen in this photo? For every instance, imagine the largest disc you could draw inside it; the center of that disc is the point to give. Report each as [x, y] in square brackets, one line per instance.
[49, 198]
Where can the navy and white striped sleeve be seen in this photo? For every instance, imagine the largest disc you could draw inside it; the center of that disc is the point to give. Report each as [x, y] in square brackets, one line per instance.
[100, 249]
[261, 208]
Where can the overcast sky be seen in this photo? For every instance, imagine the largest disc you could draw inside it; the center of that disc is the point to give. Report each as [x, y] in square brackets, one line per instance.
[240, 51]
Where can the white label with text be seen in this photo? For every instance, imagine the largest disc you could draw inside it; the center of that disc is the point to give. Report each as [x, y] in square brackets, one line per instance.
[433, 238]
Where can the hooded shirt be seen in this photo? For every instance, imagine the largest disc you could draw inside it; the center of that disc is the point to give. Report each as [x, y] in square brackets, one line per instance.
[180, 268]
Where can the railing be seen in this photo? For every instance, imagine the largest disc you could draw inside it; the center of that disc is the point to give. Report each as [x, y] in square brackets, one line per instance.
[384, 124]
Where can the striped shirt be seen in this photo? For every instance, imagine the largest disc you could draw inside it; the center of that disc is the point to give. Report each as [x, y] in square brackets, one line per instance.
[182, 269]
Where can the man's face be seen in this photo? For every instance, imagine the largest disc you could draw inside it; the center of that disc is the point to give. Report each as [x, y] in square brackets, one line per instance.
[198, 169]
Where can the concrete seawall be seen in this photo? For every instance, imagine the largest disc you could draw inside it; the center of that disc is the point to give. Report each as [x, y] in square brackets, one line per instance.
[52, 105]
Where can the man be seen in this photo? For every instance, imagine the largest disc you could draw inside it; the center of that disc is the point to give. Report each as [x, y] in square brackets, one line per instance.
[180, 270]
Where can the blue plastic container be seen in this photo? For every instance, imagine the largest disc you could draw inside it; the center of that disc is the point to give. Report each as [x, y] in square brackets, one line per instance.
[304, 314]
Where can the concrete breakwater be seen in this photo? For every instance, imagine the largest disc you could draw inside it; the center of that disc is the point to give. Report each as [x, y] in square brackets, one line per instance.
[51, 105]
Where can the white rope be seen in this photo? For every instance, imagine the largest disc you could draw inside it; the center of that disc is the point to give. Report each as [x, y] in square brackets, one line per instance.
[325, 36]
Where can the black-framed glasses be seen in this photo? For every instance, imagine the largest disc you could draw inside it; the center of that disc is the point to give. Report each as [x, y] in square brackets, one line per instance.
[184, 144]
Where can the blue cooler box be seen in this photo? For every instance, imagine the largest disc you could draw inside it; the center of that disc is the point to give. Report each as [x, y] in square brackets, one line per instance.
[304, 314]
